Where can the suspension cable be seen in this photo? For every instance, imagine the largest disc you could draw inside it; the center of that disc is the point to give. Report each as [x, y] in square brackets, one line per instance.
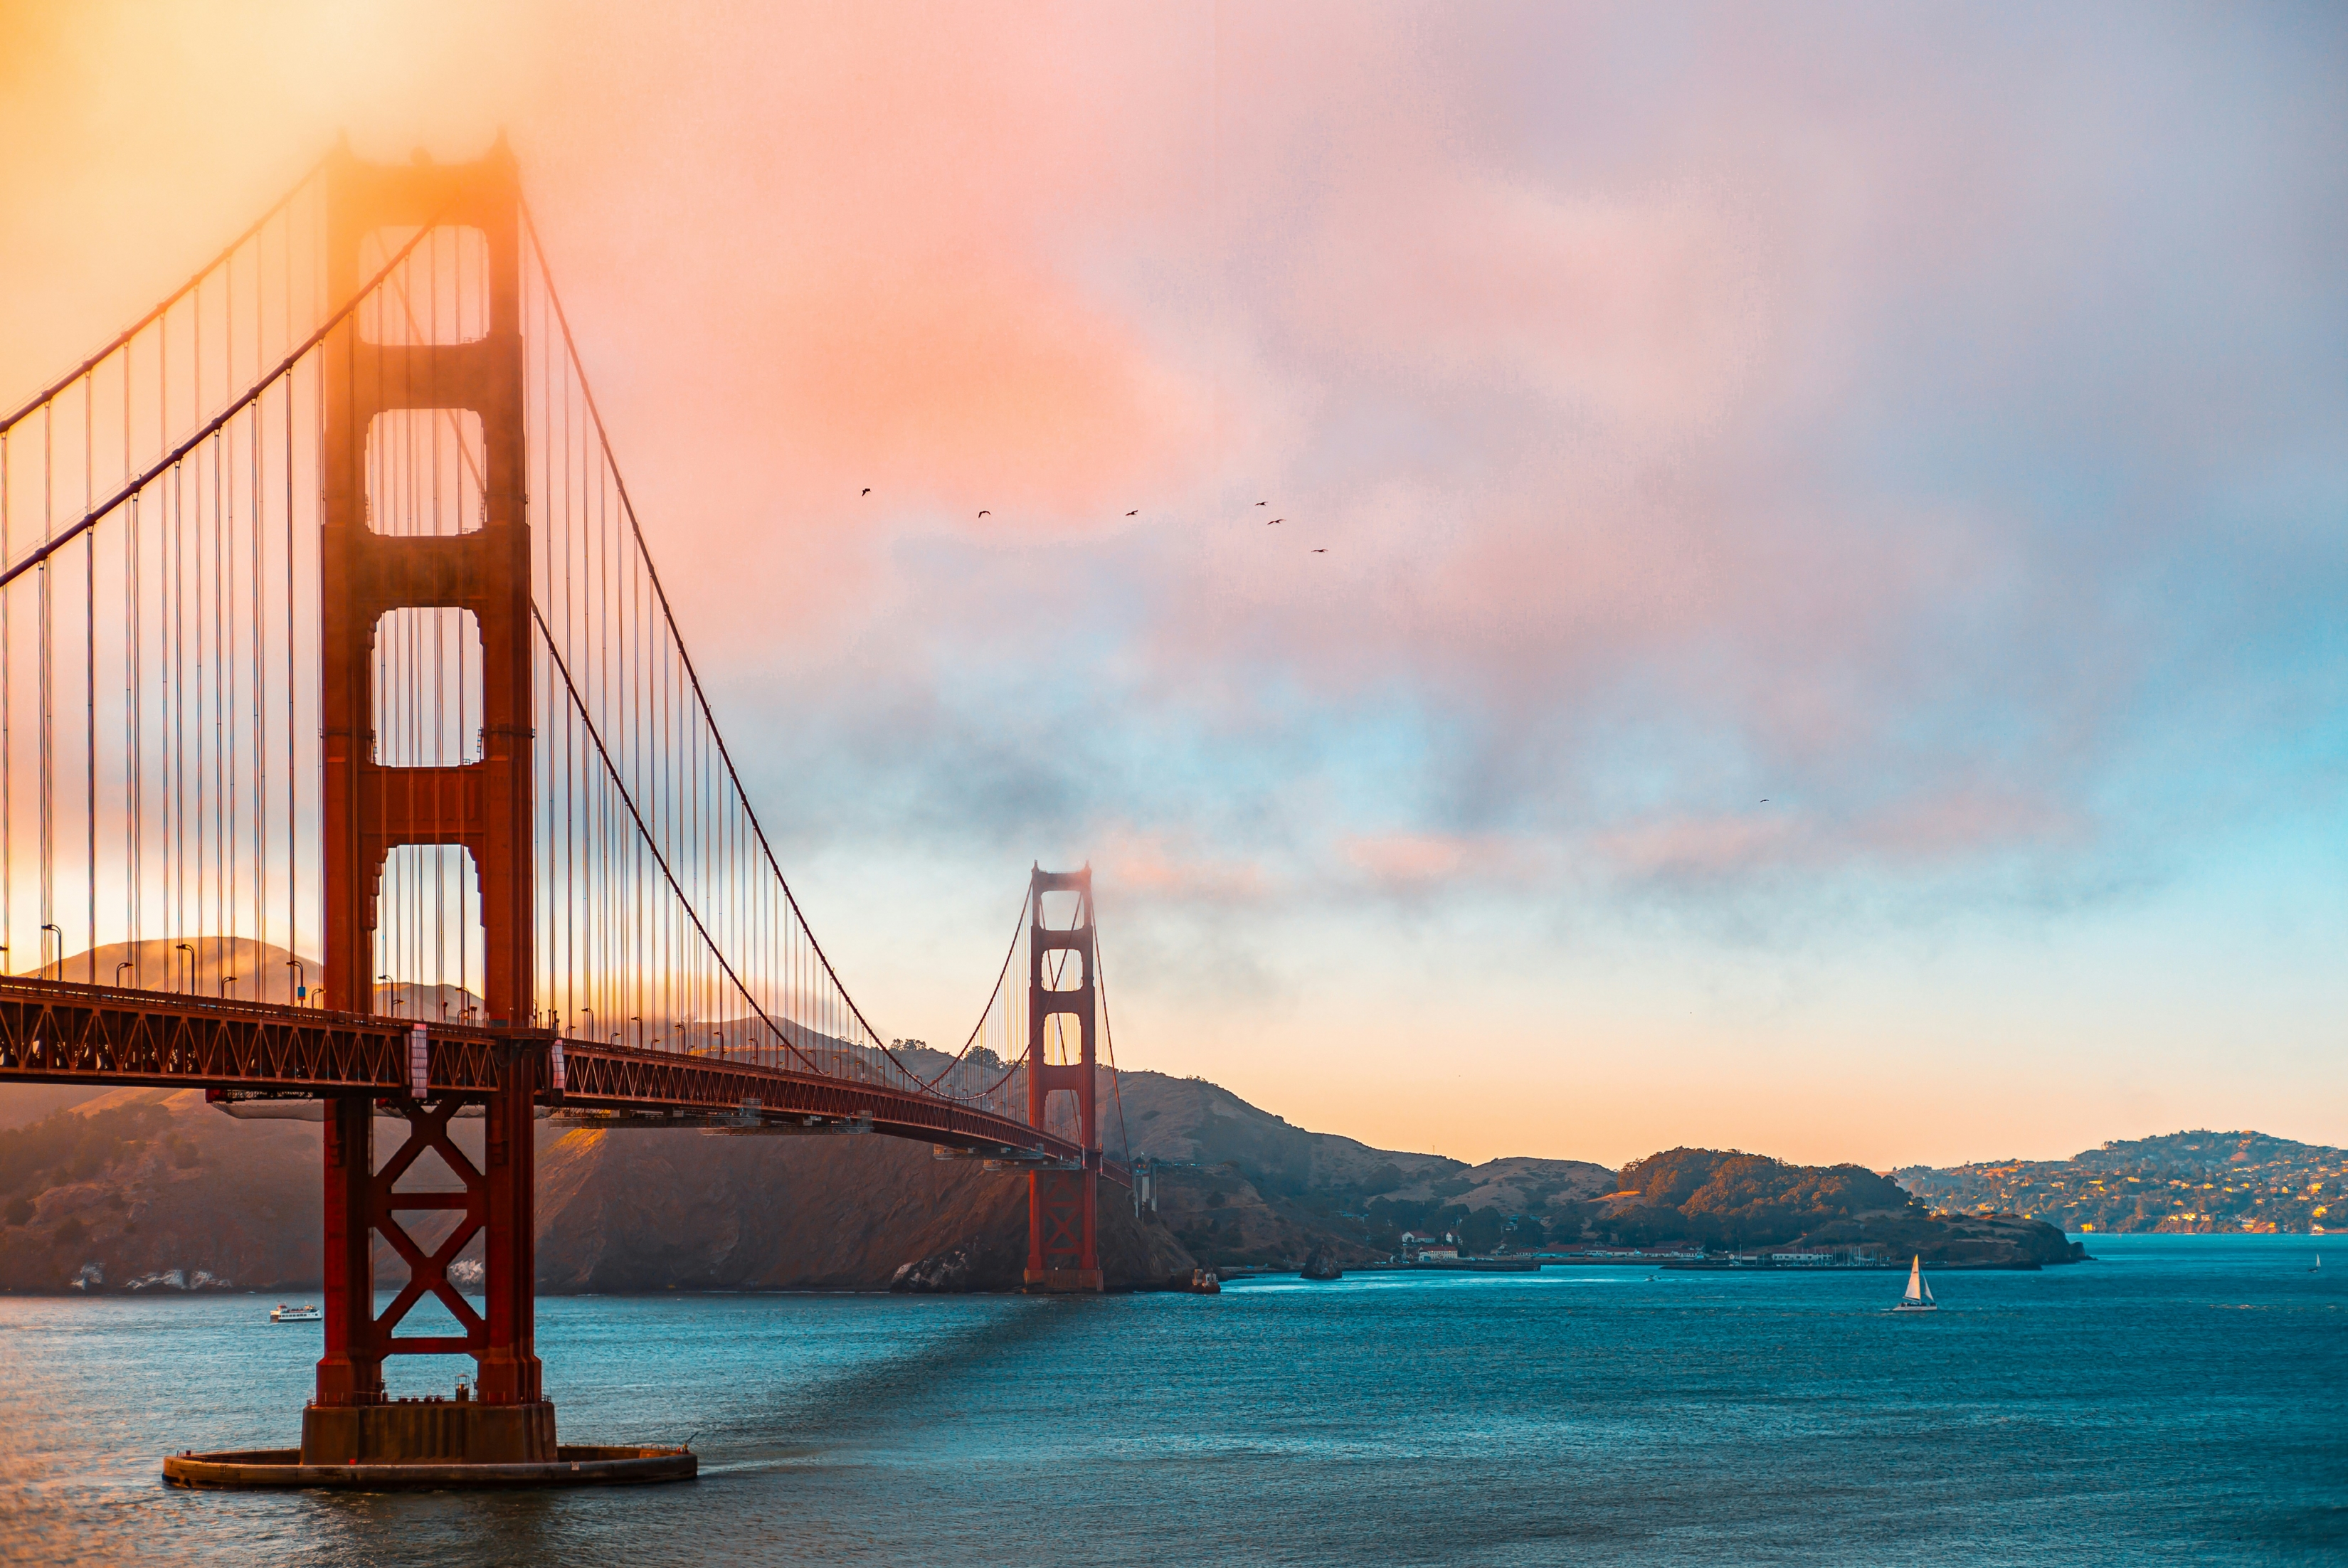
[612, 770]
[50, 393]
[692, 675]
[1011, 1066]
[163, 464]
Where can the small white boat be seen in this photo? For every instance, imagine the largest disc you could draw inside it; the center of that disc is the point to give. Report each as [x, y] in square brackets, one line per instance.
[1919, 1295]
[284, 1314]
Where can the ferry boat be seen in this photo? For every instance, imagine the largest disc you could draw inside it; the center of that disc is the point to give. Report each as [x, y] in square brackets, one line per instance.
[284, 1314]
[1919, 1295]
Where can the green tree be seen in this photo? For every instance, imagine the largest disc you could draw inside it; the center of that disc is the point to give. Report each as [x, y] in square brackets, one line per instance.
[1481, 1230]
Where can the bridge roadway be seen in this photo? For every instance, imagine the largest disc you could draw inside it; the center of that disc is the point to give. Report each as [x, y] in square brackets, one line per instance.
[58, 1031]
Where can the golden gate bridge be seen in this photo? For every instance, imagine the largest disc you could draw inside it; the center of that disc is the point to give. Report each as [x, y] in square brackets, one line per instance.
[328, 626]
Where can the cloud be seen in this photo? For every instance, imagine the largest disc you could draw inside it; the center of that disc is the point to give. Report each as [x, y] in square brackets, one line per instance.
[1633, 314]
[1414, 863]
[1170, 867]
[1927, 420]
[1877, 412]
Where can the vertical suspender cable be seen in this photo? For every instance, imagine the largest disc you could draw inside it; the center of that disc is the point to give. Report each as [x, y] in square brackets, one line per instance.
[130, 673]
[232, 788]
[260, 718]
[292, 765]
[7, 747]
[89, 679]
[48, 759]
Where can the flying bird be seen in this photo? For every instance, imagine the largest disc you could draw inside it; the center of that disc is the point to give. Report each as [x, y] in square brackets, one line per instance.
[1264, 503]
[1135, 512]
[1318, 551]
[985, 514]
[1275, 522]
[867, 490]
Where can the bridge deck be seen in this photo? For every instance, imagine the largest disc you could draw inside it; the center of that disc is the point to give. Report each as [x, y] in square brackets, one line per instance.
[58, 1031]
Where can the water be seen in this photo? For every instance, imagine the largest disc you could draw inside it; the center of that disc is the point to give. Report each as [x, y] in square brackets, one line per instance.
[2181, 1400]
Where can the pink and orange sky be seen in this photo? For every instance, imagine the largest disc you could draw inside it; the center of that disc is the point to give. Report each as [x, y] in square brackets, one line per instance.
[1836, 519]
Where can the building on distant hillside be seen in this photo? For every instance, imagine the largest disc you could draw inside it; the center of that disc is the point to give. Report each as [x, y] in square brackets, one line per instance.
[2186, 1181]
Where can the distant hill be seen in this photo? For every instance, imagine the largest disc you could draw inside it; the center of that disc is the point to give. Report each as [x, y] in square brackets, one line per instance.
[1733, 1200]
[234, 966]
[1248, 1187]
[1262, 1190]
[2183, 1182]
[156, 1189]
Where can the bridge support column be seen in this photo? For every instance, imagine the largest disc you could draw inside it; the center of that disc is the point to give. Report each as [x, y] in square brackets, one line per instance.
[508, 1418]
[1063, 1206]
[350, 1373]
[507, 1357]
[375, 558]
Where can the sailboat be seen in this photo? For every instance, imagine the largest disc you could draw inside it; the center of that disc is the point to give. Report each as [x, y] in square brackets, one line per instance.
[1919, 1295]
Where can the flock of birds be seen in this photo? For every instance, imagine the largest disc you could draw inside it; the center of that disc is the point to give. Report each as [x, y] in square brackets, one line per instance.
[1273, 523]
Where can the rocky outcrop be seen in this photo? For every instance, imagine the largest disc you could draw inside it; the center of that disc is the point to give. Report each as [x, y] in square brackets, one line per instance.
[942, 1273]
[1320, 1265]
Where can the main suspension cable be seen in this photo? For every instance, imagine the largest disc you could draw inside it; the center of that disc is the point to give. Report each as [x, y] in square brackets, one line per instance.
[162, 465]
[693, 676]
[50, 393]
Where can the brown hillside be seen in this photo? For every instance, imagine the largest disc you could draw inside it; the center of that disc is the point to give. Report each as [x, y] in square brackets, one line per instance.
[649, 1210]
[132, 1187]
[145, 1189]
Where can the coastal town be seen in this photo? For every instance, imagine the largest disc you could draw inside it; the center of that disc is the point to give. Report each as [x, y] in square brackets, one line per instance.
[2184, 1182]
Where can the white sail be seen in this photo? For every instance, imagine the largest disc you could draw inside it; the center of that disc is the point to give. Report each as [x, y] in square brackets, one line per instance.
[1919, 1295]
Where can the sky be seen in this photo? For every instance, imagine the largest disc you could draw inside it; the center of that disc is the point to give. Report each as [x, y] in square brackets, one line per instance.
[1797, 601]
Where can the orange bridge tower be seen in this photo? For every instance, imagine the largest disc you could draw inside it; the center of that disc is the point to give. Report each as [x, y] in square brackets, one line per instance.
[1063, 1204]
[379, 557]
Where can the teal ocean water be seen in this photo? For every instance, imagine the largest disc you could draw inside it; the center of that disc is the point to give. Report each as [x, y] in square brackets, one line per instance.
[2184, 1399]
